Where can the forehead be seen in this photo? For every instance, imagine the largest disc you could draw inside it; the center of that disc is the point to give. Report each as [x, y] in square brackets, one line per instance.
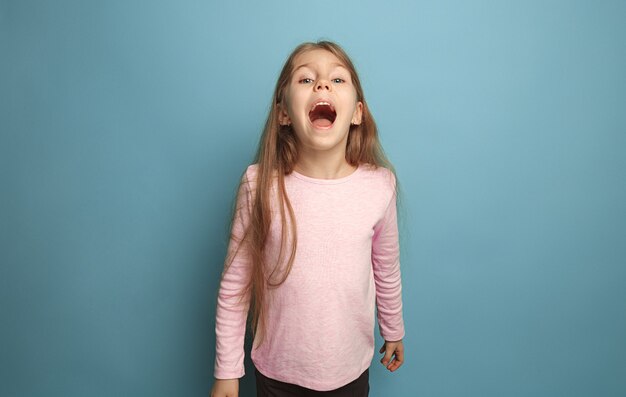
[317, 58]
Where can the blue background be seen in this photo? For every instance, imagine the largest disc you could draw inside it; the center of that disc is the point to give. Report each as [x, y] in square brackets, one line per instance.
[125, 126]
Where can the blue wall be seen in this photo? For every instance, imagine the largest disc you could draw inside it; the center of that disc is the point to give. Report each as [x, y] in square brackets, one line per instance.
[125, 126]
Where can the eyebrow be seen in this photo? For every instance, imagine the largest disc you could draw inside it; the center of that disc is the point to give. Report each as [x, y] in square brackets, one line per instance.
[308, 65]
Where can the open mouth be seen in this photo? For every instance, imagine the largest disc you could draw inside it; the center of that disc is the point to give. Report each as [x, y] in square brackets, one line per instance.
[322, 115]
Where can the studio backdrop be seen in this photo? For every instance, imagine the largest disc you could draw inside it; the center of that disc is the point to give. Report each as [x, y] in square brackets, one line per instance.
[125, 127]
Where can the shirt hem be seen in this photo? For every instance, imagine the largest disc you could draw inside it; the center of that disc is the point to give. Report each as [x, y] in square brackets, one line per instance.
[229, 375]
[393, 337]
[317, 386]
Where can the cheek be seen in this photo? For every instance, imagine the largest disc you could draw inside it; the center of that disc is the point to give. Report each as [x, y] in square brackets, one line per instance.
[352, 97]
[353, 105]
[294, 104]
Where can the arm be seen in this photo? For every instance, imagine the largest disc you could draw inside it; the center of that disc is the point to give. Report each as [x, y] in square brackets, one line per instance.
[386, 266]
[232, 306]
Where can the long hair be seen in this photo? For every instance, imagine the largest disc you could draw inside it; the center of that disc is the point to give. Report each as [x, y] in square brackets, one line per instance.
[276, 157]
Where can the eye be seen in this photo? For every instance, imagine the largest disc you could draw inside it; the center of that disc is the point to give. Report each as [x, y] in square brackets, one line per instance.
[305, 80]
[338, 80]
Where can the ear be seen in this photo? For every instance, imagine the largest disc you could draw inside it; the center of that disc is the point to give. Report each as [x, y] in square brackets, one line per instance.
[358, 113]
[283, 117]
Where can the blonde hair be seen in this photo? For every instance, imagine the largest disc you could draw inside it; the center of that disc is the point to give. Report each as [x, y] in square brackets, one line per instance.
[276, 157]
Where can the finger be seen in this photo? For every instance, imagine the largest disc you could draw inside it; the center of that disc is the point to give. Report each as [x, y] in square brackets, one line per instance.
[400, 355]
[382, 349]
[397, 362]
[387, 357]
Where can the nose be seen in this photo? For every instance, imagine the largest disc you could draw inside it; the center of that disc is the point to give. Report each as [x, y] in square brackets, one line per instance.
[322, 85]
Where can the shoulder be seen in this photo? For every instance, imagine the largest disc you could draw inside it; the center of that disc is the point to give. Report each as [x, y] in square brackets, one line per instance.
[247, 182]
[251, 172]
[382, 177]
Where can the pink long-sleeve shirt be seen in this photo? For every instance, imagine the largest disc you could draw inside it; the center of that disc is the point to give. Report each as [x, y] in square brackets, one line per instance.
[320, 321]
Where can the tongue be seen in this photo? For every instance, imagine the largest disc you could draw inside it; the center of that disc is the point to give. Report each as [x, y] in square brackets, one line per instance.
[322, 123]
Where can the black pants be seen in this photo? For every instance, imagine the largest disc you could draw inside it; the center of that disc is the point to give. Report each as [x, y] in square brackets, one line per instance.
[267, 387]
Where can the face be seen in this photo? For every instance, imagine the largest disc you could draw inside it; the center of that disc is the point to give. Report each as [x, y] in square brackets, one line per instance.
[320, 102]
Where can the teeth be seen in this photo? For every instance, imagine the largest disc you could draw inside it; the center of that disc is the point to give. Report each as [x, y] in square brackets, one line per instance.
[322, 103]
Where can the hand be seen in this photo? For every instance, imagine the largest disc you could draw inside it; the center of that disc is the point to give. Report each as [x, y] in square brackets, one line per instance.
[225, 388]
[390, 349]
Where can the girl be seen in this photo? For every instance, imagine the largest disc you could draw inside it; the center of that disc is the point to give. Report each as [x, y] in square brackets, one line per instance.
[314, 242]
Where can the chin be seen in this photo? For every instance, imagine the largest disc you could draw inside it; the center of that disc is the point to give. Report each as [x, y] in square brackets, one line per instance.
[319, 143]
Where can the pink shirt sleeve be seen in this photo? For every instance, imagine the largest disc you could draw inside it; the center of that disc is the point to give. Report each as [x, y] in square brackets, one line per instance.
[386, 266]
[232, 307]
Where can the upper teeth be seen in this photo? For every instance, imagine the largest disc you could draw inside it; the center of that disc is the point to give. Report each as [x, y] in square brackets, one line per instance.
[322, 103]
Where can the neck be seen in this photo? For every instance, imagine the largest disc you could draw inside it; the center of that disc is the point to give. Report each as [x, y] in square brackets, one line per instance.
[323, 165]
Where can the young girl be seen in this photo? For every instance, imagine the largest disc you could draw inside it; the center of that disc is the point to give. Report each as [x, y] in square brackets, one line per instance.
[314, 242]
